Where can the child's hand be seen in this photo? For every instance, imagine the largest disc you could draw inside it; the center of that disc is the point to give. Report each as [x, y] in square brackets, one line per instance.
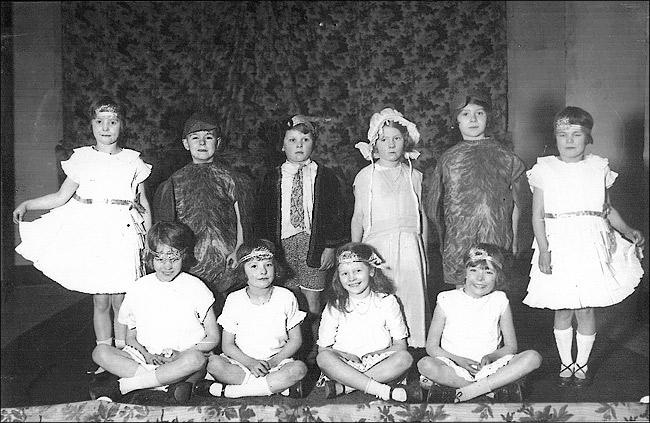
[327, 259]
[545, 262]
[349, 357]
[260, 368]
[485, 361]
[156, 359]
[19, 212]
[468, 364]
[637, 237]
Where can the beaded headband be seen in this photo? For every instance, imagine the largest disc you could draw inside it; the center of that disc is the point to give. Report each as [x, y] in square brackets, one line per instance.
[478, 254]
[107, 108]
[564, 123]
[258, 253]
[172, 256]
[348, 256]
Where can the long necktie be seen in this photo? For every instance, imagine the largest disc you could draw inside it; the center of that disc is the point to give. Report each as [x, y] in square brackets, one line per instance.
[297, 213]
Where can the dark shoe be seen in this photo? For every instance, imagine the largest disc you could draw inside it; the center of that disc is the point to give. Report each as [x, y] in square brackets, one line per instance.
[333, 389]
[202, 387]
[579, 382]
[296, 391]
[108, 391]
[181, 392]
[565, 381]
[439, 394]
[508, 393]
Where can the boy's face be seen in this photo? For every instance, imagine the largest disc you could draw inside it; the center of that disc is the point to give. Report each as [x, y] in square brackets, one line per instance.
[106, 128]
[202, 145]
[167, 263]
[297, 146]
[472, 121]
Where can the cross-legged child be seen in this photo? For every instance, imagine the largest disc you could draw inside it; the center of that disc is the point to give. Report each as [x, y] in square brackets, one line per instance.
[261, 333]
[472, 347]
[362, 334]
[170, 319]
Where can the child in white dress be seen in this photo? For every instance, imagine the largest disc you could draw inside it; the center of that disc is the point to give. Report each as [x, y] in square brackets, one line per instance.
[170, 319]
[472, 346]
[388, 213]
[362, 333]
[580, 261]
[91, 241]
[261, 333]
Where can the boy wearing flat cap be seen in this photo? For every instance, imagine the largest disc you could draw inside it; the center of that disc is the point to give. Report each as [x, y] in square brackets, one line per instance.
[205, 195]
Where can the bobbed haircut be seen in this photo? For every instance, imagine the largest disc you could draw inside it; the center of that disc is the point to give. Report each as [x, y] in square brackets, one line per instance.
[245, 249]
[409, 144]
[337, 296]
[177, 235]
[576, 116]
[494, 252]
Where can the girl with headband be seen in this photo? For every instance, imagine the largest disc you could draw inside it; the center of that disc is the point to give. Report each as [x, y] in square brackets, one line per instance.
[261, 333]
[92, 239]
[580, 261]
[472, 346]
[362, 334]
[388, 213]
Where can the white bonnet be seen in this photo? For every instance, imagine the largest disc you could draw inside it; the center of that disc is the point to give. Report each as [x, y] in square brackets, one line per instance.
[377, 122]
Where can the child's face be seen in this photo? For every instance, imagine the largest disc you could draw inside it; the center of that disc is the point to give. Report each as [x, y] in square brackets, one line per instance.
[355, 278]
[202, 145]
[260, 273]
[106, 128]
[472, 121]
[297, 146]
[167, 263]
[571, 143]
[480, 280]
[390, 146]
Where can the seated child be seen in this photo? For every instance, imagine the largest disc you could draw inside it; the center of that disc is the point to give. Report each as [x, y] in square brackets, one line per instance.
[170, 322]
[261, 333]
[471, 346]
[362, 334]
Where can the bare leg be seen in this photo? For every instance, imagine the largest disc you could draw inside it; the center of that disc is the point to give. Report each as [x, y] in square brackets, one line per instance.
[287, 376]
[519, 366]
[440, 372]
[118, 328]
[102, 317]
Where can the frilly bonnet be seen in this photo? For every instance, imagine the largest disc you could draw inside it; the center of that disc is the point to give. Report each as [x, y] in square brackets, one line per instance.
[377, 122]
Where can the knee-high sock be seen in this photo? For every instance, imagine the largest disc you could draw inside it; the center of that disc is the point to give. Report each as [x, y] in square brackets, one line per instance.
[584, 343]
[254, 387]
[473, 390]
[564, 342]
[142, 380]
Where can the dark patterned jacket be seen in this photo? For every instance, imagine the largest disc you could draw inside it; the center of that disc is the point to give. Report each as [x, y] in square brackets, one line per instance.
[329, 227]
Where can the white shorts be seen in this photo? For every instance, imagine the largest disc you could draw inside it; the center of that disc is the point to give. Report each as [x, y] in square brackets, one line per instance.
[247, 372]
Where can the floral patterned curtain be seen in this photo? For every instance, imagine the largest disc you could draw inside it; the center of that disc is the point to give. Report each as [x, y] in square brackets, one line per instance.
[255, 63]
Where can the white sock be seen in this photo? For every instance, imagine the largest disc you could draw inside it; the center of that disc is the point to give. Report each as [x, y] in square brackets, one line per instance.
[473, 390]
[564, 342]
[120, 343]
[584, 343]
[108, 341]
[143, 380]
[255, 387]
[377, 389]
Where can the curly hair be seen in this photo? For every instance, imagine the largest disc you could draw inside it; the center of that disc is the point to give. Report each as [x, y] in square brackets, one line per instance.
[337, 296]
[176, 235]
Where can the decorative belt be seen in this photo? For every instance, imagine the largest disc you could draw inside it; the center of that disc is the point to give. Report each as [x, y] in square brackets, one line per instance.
[576, 213]
[131, 204]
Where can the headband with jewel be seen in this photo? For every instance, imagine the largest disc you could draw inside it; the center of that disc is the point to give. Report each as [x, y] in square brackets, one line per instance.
[107, 108]
[172, 256]
[348, 256]
[564, 124]
[258, 253]
[478, 254]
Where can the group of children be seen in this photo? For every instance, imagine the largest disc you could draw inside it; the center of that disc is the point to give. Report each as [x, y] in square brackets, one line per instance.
[169, 325]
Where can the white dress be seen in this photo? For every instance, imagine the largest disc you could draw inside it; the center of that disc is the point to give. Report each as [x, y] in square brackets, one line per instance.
[395, 230]
[261, 331]
[167, 314]
[92, 248]
[364, 329]
[593, 265]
